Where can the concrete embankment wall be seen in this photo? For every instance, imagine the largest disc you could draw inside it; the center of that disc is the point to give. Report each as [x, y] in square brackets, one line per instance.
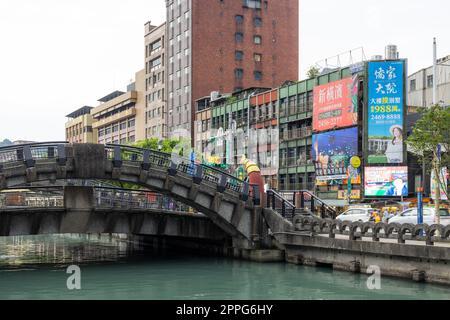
[415, 262]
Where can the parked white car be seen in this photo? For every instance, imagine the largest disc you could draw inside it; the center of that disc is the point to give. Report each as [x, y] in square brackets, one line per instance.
[356, 214]
[410, 216]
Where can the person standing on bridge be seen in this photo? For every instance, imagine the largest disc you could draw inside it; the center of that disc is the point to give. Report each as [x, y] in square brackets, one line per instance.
[254, 175]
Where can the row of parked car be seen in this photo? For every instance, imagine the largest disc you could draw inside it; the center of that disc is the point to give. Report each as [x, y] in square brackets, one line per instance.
[407, 216]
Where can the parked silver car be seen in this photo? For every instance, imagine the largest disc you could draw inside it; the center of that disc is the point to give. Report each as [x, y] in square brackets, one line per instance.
[410, 216]
[357, 214]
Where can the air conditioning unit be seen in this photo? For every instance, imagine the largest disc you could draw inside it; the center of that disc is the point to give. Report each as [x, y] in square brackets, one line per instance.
[215, 95]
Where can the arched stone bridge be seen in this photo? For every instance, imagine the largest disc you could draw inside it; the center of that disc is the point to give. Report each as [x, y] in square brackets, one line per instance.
[226, 200]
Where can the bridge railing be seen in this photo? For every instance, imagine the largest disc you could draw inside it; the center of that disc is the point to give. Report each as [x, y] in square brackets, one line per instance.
[175, 163]
[25, 198]
[116, 198]
[29, 153]
[105, 198]
[376, 231]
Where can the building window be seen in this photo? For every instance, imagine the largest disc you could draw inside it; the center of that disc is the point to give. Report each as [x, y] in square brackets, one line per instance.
[257, 39]
[258, 75]
[257, 22]
[239, 19]
[131, 123]
[155, 64]
[155, 46]
[238, 73]
[430, 81]
[412, 85]
[254, 4]
[257, 57]
[239, 55]
[239, 36]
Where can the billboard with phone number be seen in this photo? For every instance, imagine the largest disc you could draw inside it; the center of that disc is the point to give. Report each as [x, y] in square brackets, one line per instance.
[336, 105]
[386, 112]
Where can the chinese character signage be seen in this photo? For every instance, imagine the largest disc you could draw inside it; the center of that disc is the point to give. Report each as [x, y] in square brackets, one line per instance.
[343, 194]
[332, 152]
[386, 181]
[385, 112]
[336, 105]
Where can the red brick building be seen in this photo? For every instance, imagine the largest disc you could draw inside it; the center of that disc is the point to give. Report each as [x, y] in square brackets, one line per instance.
[225, 46]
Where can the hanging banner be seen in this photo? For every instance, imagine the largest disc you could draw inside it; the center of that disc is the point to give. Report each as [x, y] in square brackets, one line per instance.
[442, 184]
[385, 112]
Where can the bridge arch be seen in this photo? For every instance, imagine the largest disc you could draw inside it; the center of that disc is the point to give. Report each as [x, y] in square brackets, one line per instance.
[230, 203]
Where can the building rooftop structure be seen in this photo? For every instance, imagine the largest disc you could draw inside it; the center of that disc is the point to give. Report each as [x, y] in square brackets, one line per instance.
[80, 112]
[111, 96]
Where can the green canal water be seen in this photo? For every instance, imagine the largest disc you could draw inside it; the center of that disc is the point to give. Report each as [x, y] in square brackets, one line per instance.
[112, 268]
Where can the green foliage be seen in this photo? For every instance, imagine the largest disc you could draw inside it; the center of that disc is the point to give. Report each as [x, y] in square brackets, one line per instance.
[431, 130]
[167, 145]
[313, 72]
[231, 100]
[5, 143]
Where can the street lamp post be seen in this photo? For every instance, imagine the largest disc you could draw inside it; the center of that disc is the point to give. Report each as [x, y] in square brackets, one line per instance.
[248, 120]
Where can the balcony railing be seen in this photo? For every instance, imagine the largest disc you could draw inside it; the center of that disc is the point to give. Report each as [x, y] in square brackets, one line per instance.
[301, 160]
[287, 110]
[298, 133]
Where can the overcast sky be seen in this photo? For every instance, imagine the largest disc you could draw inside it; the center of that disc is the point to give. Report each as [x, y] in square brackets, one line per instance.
[59, 55]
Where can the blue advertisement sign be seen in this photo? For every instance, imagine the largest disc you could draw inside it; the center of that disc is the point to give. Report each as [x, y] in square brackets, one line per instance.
[385, 112]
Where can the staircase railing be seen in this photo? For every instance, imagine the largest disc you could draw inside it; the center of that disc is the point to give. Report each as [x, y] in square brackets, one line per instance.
[277, 202]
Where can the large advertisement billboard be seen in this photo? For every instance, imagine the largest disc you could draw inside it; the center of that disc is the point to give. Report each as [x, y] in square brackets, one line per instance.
[386, 181]
[336, 105]
[332, 151]
[386, 112]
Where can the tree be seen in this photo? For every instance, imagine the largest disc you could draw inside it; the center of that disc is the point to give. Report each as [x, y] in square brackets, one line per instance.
[5, 143]
[431, 133]
[167, 145]
[155, 144]
[313, 72]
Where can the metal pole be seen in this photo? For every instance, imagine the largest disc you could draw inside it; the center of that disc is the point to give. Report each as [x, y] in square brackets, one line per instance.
[248, 122]
[435, 80]
[419, 205]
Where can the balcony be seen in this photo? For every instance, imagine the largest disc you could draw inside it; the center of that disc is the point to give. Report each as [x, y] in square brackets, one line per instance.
[299, 161]
[114, 118]
[292, 110]
[298, 133]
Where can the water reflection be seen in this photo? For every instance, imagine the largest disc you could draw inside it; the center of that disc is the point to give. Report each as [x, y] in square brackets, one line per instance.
[62, 249]
[117, 268]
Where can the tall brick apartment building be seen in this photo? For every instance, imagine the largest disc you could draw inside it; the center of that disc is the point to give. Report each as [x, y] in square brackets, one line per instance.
[226, 46]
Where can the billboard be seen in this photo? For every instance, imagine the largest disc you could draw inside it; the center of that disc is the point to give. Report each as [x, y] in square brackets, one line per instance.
[336, 105]
[343, 194]
[386, 181]
[386, 112]
[332, 151]
[442, 184]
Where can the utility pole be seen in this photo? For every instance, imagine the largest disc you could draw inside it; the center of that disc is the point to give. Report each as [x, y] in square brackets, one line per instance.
[435, 80]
